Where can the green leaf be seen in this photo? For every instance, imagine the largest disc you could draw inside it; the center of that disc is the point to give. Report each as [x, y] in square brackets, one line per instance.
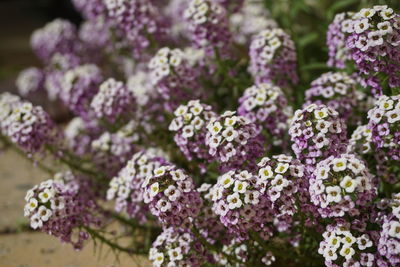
[307, 39]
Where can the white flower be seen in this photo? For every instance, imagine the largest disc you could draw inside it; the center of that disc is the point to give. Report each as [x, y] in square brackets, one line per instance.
[172, 193]
[330, 254]
[181, 110]
[387, 13]
[175, 254]
[364, 242]
[361, 25]
[367, 12]
[226, 180]
[240, 186]
[320, 114]
[215, 141]
[279, 182]
[158, 259]
[230, 134]
[57, 204]
[252, 197]
[334, 242]
[29, 194]
[323, 126]
[45, 195]
[282, 167]
[231, 121]
[339, 164]
[386, 104]
[187, 131]
[348, 184]
[154, 189]
[265, 172]
[348, 239]
[347, 252]
[163, 205]
[178, 175]
[375, 38]
[393, 116]
[215, 128]
[234, 201]
[394, 230]
[36, 222]
[322, 172]
[197, 123]
[333, 194]
[44, 213]
[385, 28]
[32, 204]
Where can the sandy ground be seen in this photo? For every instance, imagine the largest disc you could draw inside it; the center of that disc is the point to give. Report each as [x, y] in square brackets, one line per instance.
[31, 249]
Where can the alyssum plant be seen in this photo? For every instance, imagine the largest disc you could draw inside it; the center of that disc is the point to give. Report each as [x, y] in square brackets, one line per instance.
[186, 122]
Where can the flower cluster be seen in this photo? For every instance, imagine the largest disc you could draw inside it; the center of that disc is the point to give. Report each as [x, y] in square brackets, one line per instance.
[384, 121]
[373, 37]
[173, 77]
[8, 102]
[60, 209]
[79, 85]
[338, 91]
[280, 178]
[171, 196]
[267, 106]
[208, 25]
[58, 36]
[233, 140]
[178, 248]
[126, 187]
[239, 202]
[30, 127]
[112, 100]
[340, 185]
[190, 127]
[317, 132]
[273, 58]
[138, 20]
[344, 247]
[29, 81]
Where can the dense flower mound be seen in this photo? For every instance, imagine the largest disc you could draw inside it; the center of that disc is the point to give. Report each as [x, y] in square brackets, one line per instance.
[173, 77]
[190, 125]
[336, 40]
[126, 187]
[29, 81]
[280, 179]
[58, 36]
[233, 140]
[139, 20]
[317, 132]
[208, 25]
[240, 204]
[251, 19]
[389, 241]
[178, 248]
[343, 246]
[79, 85]
[267, 106]
[171, 197]
[384, 121]
[140, 85]
[371, 40]
[338, 91]
[57, 207]
[30, 127]
[79, 134]
[112, 100]
[273, 58]
[340, 185]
